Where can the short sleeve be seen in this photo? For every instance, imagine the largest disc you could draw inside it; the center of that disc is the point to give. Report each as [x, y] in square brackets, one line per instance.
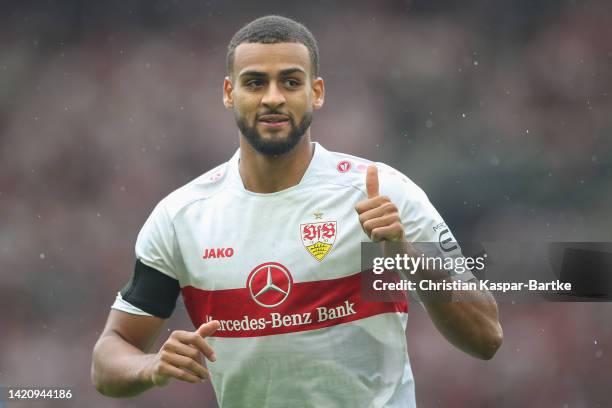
[154, 287]
[125, 306]
[423, 225]
[156, 243]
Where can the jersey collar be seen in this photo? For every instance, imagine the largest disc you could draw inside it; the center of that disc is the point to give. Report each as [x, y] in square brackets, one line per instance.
[310, 176]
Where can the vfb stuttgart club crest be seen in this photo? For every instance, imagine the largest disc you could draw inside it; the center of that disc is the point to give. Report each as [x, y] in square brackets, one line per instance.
[318, 237]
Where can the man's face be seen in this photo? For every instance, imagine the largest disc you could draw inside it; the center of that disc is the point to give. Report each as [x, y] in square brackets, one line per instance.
[272, 94]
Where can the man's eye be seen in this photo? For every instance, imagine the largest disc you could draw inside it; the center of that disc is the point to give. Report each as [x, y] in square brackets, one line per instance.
[292, 83]
[255, 83]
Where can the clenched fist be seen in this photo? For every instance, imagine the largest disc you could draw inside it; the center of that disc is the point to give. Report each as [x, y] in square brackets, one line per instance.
[180, 356]
[378, 216]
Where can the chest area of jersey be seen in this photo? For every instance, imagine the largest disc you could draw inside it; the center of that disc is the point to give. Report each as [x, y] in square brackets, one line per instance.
[257, 244]
[273, 269]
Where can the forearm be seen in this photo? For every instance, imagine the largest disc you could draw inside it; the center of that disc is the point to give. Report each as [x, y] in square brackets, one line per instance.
[120, 369]
[470, 322]
[467, 319]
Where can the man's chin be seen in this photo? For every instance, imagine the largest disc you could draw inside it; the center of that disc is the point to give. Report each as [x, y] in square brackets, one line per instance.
[274, 148]
[273, 131]
[271, 141]
[274, 137]
[274, 144]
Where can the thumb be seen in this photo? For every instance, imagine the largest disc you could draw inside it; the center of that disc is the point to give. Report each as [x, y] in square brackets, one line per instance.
[372, 181]
[207, 329]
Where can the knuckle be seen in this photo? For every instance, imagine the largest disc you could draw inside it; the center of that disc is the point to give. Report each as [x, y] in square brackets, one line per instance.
[176, 337]
[175, 334]
[206, 349]
[389, 207]
[194, 354]
[200, 345]
[191, 365]
[162, 368]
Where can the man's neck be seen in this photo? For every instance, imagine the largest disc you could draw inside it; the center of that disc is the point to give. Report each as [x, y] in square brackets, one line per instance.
[269, 174]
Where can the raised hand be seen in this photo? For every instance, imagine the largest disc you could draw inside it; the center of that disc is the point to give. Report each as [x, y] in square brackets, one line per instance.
[378, 216]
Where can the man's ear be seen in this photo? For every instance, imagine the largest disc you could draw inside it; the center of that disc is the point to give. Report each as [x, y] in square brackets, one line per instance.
[228, 93]
[318, 93]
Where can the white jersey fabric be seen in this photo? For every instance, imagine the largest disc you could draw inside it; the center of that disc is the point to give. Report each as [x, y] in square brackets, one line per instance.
[281, 272]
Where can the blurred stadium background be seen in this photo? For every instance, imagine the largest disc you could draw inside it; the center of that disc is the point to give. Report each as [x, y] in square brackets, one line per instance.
[500, 111]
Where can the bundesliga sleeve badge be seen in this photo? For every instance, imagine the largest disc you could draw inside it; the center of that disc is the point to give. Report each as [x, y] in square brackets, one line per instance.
[318, 238]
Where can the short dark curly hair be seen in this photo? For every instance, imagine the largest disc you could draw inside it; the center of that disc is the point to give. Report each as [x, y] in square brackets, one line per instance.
[272, 30]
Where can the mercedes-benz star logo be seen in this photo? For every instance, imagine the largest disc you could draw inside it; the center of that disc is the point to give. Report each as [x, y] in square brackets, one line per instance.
[269, 284]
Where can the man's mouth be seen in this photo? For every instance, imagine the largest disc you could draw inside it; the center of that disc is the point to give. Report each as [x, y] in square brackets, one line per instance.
[273, 120]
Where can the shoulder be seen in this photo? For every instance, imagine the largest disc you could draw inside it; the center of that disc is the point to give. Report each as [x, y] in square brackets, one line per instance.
[348, 170]
[201, 188]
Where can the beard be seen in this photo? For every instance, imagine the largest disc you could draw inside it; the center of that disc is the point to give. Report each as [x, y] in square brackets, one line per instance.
[273, 147]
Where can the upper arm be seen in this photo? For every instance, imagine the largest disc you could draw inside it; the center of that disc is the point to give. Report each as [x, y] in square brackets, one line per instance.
[138, 330]
[154, 287]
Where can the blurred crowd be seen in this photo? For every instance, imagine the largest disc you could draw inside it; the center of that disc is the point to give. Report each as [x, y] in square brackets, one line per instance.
[500, 112]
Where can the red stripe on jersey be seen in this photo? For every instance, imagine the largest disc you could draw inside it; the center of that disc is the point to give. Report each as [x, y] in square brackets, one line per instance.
[309, 306]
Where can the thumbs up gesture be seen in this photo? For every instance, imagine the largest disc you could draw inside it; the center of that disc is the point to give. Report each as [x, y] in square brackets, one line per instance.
[378, 216]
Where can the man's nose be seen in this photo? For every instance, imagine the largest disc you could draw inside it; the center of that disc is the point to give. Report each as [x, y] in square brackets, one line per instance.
[273, 97]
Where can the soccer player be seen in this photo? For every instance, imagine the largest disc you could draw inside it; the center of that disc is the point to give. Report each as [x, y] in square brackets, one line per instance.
[265, 250]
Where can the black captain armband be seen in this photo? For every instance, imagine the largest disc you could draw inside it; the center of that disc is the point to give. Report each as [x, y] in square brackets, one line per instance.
[151, 291]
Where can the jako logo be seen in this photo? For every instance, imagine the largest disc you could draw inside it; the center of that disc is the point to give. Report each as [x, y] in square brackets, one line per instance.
[218, 253]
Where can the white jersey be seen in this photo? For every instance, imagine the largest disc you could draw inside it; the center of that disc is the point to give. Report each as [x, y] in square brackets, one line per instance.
[281, 272]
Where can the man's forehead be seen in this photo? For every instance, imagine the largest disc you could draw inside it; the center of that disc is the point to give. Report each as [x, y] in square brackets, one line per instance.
[271, 57]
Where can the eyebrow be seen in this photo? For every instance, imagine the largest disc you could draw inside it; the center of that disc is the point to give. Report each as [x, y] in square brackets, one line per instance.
[284, 72]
